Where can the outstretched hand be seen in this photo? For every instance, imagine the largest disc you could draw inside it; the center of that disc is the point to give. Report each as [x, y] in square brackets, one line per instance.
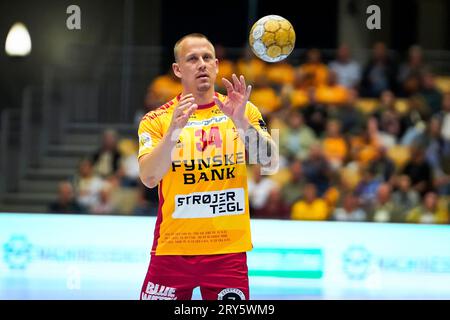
[183, 111]
[236, 100]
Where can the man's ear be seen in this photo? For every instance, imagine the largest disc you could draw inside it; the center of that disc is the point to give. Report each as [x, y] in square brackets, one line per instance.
[176, 69]
[217, 66]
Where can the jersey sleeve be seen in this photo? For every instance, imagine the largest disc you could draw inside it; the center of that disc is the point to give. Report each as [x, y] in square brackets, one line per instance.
[256, 120]
[150, 134]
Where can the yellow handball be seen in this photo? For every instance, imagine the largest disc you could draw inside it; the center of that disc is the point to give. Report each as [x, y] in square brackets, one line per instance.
[272, 38]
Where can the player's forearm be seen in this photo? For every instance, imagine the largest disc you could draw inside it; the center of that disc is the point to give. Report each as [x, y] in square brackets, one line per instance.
[153, 167]
[260, 149]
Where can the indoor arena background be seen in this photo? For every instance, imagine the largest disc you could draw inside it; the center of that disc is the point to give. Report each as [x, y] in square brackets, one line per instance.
[359, 208]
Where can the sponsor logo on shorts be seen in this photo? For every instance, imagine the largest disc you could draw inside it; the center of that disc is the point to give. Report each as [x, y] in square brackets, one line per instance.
[231, 294]
[155, 291]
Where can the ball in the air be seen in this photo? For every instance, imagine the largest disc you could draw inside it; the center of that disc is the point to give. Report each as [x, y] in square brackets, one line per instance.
[272, 38]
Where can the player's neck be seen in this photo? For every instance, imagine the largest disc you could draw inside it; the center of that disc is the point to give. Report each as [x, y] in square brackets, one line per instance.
[202, 98]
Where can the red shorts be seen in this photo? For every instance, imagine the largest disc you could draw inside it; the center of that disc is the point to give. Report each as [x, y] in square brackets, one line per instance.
[220, 277]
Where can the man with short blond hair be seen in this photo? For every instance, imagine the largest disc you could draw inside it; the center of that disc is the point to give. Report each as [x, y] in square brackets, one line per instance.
[194, 149]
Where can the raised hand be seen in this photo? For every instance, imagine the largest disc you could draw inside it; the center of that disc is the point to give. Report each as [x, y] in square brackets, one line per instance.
[237, 97]
[182, 112]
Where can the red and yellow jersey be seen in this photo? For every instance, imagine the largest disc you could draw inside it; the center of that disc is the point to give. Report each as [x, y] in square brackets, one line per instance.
[203, 198]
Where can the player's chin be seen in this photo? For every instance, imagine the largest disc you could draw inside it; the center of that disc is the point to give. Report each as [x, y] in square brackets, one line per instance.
[204, 86]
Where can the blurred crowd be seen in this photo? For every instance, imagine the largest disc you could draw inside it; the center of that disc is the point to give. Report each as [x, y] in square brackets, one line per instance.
[107, 182]
[357, 142]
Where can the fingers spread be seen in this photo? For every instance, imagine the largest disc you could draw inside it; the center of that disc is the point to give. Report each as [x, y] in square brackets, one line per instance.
[187, 96]
[236, 83]
[227, 110]
[192, 109]
[186, 101]
[218, 103]
[181, 108]
[228, 85]
[248, 91]
[184, 117]
[243, 85]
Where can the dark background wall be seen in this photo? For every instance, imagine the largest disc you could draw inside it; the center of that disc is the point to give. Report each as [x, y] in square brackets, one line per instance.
[102, 23]
[315, 22]
[404, 29]
[161, 23]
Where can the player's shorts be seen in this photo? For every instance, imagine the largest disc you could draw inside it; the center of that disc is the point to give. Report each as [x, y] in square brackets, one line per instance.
[220, 277]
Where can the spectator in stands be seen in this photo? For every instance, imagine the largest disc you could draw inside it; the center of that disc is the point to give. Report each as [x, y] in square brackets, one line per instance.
[417, 110]
[437, 154]
[250, 66]
[334, 145]
[162, 89]
[66, 202]
[367, 188]
[274, 208]
[277, 122]
[293, 190]
[331, 93]
[295, 94]
[382, 166]
[348, 70]
[106, 204]
[264, 96]
[88, 185]
[310, 207]
[419, 171]
[441, 160]
[404, 198]
[445, 116]
[315, 114]
[431, 136]
[129, 165]
[226, 70]
[414, 127]
[430, 211]
[314, 70]
[349, 115]
[334, 194]
[317, 170]
[389, 118]
[386, 104]
[259, 188]
[343, 182]
[389, 130]
[107, 159]
[379, 73]
[430, 93]
[148, 105]
[411, 72]
[147, 201]
[297, 138]
[364, 146]
[279, 74]
[350, 210]
[384, 208]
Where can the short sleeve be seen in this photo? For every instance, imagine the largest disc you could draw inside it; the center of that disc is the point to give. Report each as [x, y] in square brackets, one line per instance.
[256, 120]
[150, 134]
